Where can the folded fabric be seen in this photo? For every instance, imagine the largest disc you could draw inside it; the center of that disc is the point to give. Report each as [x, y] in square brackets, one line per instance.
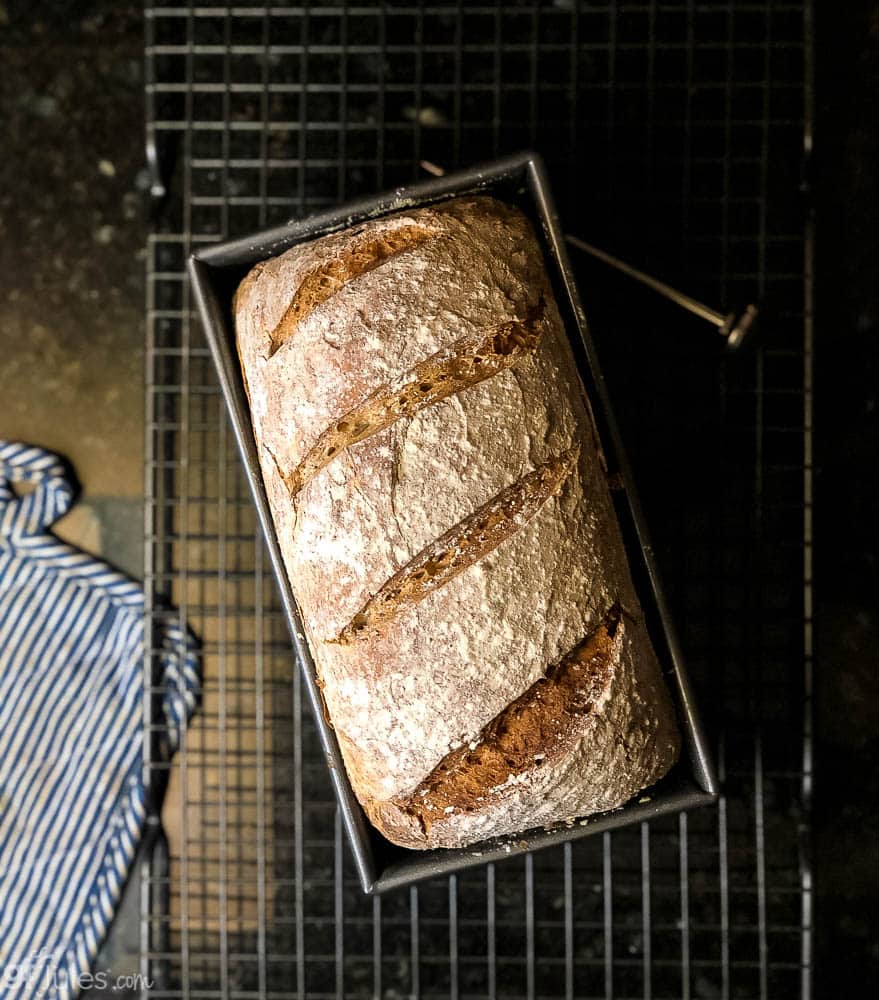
[74, 649]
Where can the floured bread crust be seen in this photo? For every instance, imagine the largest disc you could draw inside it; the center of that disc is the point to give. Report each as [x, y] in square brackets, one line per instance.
[446, 524]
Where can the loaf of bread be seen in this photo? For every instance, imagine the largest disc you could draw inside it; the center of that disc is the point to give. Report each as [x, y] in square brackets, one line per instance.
[444, 515]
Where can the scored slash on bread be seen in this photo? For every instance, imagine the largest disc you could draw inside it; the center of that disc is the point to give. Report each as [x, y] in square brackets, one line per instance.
[322, 283]
[535, 728]
[445, 373]
[461, 546]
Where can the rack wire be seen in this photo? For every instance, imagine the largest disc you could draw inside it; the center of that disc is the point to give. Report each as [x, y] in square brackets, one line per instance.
[677, 135]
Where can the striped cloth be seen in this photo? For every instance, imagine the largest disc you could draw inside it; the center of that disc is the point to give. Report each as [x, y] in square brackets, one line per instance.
[72, 797]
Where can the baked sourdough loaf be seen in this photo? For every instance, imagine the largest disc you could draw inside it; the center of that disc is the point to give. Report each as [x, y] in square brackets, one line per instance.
[446, 524]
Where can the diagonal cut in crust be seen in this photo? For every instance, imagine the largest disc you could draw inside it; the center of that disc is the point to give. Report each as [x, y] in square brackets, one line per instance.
[532, 730]
[328, 279]
[464, 544]
[469, 362]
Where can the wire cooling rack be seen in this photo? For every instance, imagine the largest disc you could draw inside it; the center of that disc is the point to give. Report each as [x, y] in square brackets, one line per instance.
[677, 135]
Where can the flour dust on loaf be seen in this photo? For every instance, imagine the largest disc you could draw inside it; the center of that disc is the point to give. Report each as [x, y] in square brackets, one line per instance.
[442, 509]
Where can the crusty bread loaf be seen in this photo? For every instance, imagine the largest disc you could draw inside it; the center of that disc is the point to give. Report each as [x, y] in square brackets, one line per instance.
[443, 512]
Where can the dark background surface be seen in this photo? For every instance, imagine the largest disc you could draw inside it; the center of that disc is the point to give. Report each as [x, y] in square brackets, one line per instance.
[847, 501]
[72, 230]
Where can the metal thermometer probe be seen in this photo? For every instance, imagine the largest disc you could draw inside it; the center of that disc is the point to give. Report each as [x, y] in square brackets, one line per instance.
[734, 326]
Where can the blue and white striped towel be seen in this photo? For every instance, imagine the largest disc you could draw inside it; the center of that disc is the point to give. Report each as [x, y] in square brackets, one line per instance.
[72, 797]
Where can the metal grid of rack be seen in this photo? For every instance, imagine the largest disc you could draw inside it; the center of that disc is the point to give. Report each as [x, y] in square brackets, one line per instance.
[676, 135]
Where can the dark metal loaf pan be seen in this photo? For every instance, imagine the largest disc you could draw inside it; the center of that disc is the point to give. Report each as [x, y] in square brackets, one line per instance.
[216, 271]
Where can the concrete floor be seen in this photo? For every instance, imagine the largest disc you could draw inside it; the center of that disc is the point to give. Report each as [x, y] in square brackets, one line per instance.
[72, 232]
